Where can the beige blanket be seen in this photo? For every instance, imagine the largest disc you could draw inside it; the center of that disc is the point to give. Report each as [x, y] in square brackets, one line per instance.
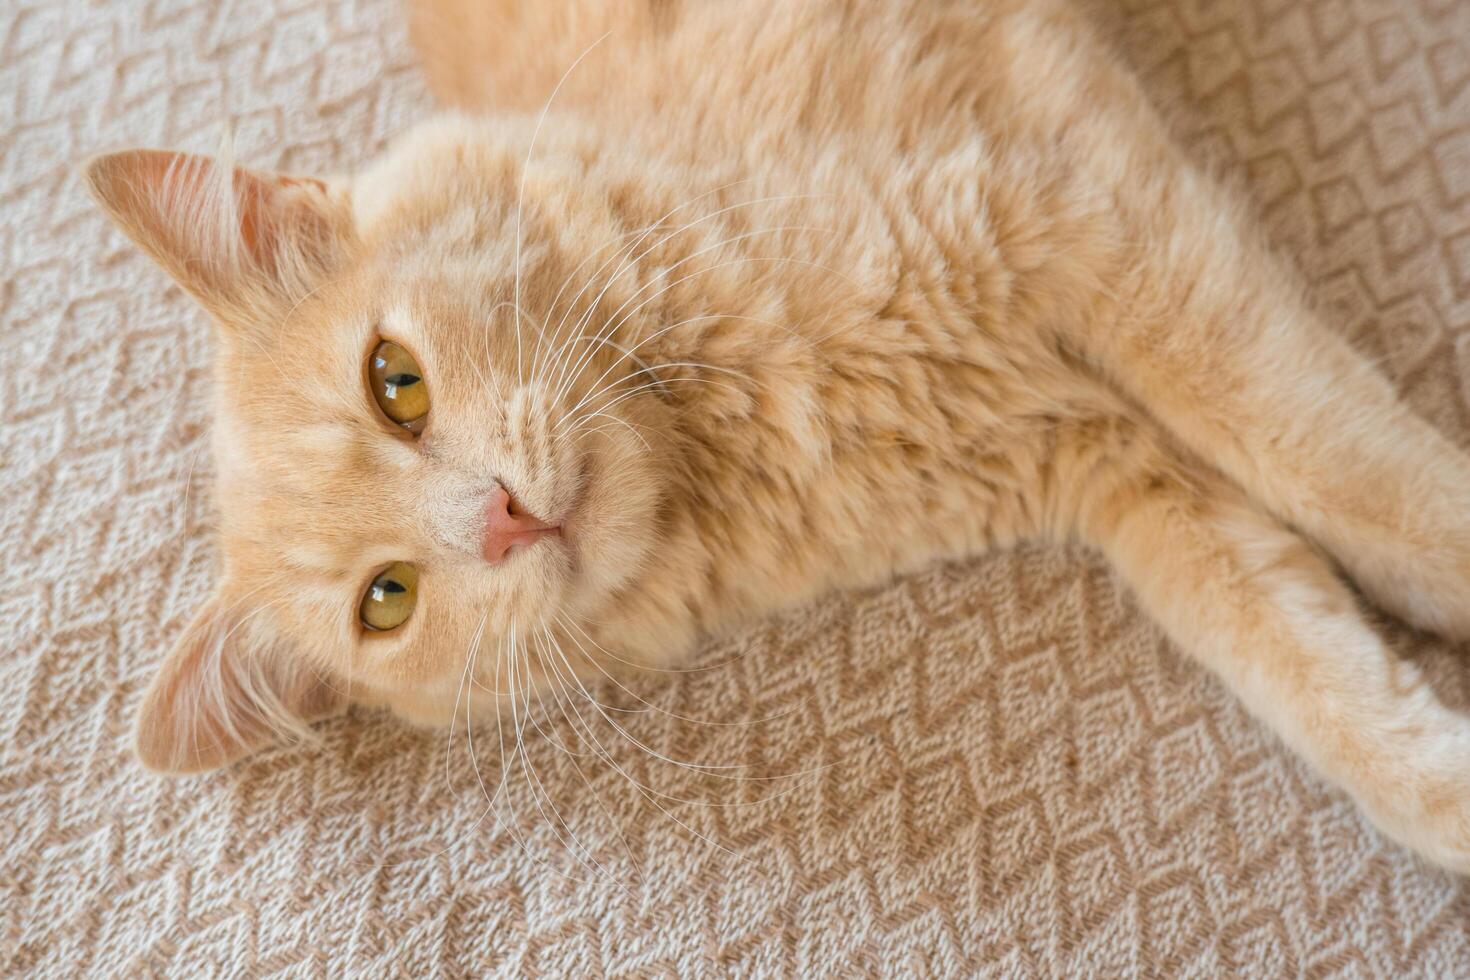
[994, 768]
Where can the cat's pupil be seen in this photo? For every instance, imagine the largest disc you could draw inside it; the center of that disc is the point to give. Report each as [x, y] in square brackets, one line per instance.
[392, 586]
[402, 379]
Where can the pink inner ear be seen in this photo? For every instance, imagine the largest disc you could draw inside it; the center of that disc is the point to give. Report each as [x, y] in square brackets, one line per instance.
[218, 697]
[251, 195]
[259, 212]
[169, 203]
[256, 199]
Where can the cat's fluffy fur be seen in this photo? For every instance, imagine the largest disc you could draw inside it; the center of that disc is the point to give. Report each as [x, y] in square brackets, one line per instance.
[774, 298]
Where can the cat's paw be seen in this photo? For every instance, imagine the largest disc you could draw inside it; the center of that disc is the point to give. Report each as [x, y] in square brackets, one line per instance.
[1428, 812]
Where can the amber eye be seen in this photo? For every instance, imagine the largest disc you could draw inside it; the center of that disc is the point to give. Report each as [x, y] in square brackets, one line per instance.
[389, 600]
[398, 386]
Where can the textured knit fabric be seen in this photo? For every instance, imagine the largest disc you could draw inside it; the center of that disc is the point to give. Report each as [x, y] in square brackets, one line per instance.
[996, 768]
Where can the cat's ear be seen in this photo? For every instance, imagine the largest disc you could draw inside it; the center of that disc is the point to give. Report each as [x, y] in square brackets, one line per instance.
[241, 241]
[224, 692]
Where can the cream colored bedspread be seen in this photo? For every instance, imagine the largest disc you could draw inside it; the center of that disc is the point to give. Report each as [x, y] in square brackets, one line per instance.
[1001, 768]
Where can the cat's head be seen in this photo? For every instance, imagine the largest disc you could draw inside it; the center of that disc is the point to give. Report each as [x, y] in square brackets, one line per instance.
[420, 454]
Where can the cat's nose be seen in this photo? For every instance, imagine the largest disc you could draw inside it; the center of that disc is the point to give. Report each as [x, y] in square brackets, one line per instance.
[507, 527]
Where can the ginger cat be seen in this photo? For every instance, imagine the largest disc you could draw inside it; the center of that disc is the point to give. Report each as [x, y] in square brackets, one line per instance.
[696, 310]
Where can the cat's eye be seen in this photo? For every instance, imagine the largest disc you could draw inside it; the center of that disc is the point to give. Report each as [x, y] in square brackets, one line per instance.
[390, 598]
[398, 386]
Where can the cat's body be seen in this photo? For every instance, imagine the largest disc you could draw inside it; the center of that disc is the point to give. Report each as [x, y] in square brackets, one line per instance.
[881, 281]
[852, 288]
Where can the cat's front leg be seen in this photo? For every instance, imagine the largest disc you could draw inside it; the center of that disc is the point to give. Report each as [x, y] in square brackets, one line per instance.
[1215, 341]
[1251, 600]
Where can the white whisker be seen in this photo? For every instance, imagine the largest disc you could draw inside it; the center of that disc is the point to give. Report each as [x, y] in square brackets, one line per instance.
[614, 321]
[647, 792]
[521, 190]
[555, 821]
[696, 721]
[543, 639]
[632, 263]
[642, 233]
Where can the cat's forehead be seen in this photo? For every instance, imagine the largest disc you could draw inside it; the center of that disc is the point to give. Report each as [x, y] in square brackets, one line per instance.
[314, 496]
[300, 375]
[305, 471]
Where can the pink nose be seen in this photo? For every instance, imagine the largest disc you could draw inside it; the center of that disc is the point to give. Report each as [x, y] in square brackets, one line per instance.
[507, 528]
